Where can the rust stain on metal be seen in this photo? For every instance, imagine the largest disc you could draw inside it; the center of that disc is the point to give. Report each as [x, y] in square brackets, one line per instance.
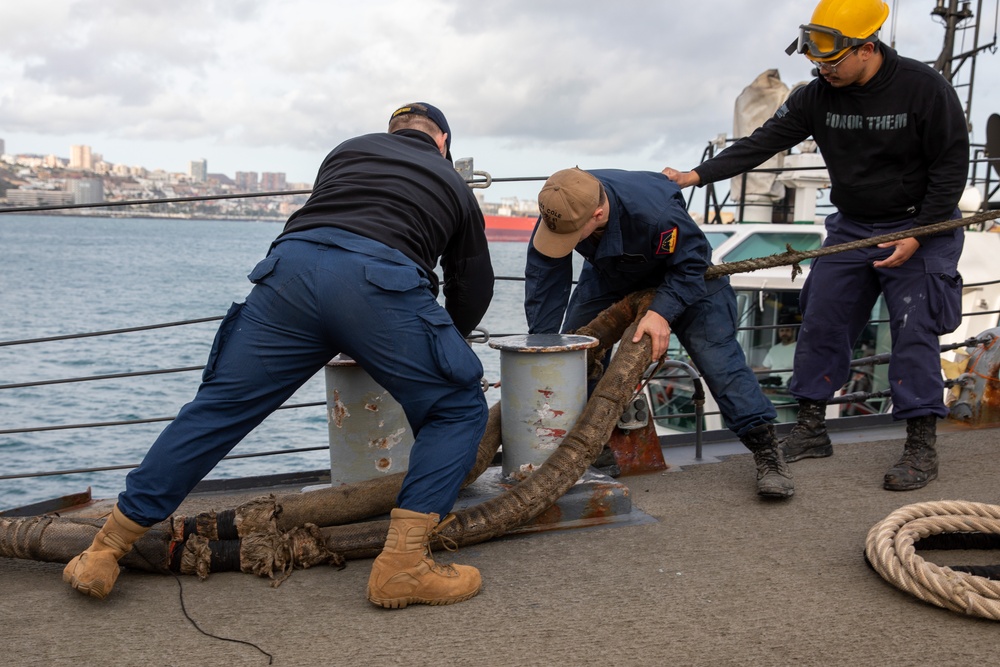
[339, 411]
[549, 349]
[388, 441]
[373, 400]
[547, 393]
[383, 464]
[547, 433]
[989, 410]
[637, 451]
[599, 503]
[598, 511]
[553, 515]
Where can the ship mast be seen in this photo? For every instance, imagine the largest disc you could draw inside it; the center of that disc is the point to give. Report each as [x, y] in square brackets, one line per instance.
[957, 15]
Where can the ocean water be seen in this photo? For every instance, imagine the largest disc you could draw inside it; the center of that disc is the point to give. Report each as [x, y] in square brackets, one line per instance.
[72, 274]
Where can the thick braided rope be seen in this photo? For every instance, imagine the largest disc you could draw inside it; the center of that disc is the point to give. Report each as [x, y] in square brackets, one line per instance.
[891, 552]
[793, 257]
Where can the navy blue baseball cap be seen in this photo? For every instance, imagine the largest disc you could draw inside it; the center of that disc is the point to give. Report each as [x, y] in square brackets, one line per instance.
[432, 113]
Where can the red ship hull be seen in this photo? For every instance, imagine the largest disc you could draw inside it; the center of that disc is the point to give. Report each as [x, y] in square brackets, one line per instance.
[508, 228]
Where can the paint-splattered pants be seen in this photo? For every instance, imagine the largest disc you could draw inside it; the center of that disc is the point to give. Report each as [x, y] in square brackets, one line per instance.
[923, 298]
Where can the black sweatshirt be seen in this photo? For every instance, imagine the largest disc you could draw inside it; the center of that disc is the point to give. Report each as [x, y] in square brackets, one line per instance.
[896, 148]
[397, 189]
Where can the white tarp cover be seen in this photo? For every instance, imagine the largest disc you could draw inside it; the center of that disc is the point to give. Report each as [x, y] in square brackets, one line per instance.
[754, 105]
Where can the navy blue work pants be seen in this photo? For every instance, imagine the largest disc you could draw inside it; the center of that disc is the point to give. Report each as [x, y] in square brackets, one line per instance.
[707, 330]
[924, 300]
[312, 300]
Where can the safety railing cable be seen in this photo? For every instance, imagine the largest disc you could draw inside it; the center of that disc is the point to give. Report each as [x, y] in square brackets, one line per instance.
[150, 202]
[129, 466]
[127, 422]
[109, 332]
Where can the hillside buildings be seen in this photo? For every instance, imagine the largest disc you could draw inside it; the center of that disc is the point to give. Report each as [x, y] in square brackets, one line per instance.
[30, 180]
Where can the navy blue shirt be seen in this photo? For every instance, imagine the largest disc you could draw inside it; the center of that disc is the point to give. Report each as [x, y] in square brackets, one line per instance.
[649, 241]
[397, 189]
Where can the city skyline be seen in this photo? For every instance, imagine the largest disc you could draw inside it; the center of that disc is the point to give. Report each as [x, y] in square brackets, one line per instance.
[83, 158]
[87, 178]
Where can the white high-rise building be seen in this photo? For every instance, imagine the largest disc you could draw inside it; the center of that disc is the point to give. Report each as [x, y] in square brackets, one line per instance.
[80, 158]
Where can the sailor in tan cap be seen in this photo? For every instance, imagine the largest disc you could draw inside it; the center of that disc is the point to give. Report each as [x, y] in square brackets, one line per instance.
[633, 231]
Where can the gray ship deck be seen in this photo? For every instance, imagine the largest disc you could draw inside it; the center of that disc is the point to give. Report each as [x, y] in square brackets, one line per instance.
[719, 577]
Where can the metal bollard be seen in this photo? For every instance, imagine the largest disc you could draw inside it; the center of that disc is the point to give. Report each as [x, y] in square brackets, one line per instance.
[544, 390]
[369, 434]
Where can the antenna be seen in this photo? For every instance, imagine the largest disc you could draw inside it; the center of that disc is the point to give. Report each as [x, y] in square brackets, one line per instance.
[957, 15]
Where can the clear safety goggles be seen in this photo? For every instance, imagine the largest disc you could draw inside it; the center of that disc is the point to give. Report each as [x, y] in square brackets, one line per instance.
[831, 66]
[836, 40]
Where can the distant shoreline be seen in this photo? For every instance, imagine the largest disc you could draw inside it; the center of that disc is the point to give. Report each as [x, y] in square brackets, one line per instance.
[148, 216]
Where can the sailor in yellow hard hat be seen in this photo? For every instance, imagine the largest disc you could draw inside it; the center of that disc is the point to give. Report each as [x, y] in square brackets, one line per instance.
[895, 141]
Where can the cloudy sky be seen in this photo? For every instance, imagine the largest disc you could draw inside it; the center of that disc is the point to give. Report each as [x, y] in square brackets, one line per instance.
[529, 87]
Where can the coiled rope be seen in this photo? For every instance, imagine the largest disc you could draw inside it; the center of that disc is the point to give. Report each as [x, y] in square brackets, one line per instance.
[890, 550]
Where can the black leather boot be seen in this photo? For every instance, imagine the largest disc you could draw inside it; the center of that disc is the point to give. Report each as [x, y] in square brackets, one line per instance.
[808, 438]
[774, 480]
[919, 463]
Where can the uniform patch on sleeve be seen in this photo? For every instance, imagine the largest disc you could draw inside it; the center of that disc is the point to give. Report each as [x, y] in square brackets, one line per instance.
[668, 242]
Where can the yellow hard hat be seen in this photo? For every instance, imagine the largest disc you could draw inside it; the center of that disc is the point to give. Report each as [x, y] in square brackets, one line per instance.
[838, 25]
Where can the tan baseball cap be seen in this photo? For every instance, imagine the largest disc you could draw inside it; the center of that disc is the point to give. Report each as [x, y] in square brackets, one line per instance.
[566, 203]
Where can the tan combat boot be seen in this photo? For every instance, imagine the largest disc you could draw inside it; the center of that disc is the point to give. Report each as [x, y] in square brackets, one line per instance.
[95, 571]
[404, 573]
